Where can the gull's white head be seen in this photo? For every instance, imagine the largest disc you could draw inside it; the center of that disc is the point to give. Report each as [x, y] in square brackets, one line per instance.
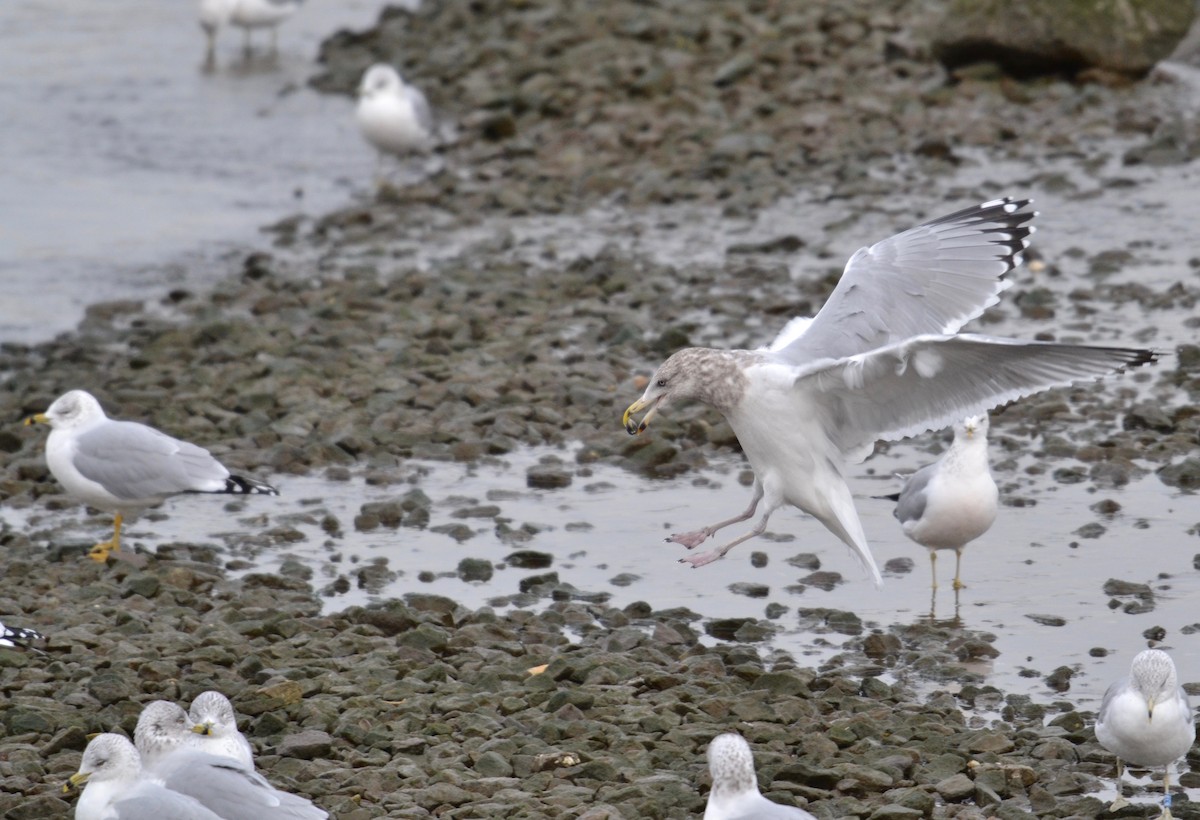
[162, 727]
[211, 713]
[214, 14]
[972, 427]
[380, 79]
[1153, 675]
[711, 376]
[107, 757]
[74, 409]
[731, 765]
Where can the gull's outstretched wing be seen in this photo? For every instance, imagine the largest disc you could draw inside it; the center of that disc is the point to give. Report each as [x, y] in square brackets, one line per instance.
[933, 381]
[931, 279]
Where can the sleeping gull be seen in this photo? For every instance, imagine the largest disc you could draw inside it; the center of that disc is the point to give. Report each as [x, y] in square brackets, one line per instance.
[393, 116]
[123, 465]
[212, 718]
[15, 637]
[948, 504]
[226, 786]
[245, 14]
[735, 794]
[881, 360]
[114, 787]
[1146, 719]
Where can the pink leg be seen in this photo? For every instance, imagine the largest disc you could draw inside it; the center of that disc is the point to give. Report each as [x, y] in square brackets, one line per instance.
[709, 557]
[693, 539]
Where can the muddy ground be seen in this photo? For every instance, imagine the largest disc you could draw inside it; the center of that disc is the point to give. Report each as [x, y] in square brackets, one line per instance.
[347, 350]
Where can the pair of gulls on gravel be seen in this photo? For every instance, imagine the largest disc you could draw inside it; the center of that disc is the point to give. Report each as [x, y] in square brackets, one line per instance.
[1145, 719]
[883, 359]
[246, 15]
[191, 765]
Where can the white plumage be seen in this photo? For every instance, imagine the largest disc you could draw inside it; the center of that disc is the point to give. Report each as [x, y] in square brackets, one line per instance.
[735, 794]
[1146, 719]
[950, 503]
[883, 359]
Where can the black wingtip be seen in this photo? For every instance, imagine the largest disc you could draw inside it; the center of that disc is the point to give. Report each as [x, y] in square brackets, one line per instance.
[239, 485]
[14, 637]
[892, 497]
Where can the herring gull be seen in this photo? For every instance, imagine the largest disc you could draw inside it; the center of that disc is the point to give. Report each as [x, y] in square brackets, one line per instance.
[224, 785]
[115, 787]
[1146, 719]
[951, 502]
[735, 794]
[883, 359]
[123, 466]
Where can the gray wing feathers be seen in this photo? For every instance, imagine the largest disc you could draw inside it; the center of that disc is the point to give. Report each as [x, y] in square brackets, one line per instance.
[423, 111]
[232, 790]
[157, 803]
[933, 381]
[933, 278]
[133, 461]
[911, 505]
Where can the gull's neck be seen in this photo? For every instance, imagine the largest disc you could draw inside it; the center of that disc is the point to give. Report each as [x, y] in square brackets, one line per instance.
[719, 376]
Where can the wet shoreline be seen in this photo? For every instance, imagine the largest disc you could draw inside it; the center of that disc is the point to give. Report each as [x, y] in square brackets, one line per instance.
[482, 312]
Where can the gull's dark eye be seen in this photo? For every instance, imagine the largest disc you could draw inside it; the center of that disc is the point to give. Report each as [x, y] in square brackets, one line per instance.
[662, 382]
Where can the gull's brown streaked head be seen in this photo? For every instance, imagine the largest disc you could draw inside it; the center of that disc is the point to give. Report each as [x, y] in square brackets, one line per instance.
[714, 377]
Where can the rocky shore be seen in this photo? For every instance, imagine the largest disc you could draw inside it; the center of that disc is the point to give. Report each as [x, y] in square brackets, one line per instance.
[347, 351]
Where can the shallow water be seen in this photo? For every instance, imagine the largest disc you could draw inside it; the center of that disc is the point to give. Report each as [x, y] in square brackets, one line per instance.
[609, 522]
[134, 170]
[129, 167]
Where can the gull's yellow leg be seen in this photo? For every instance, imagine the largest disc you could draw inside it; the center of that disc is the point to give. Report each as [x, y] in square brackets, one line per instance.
[957, 567]
[1167, 793]
[933, 567]
[1120, 802]
[100, 551]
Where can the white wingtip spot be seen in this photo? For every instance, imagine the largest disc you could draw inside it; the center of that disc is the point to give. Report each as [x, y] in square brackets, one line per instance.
[993, 203]
[928, 363]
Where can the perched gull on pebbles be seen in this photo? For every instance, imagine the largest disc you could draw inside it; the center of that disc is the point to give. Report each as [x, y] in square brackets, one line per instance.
[123, 465]
[114, 787]
[948, 504]
[245, 14]
[1146, 719]
[15, 637]
[226, 786]
[213, 719]
[883, 359]
[393, 116]
[735, 794]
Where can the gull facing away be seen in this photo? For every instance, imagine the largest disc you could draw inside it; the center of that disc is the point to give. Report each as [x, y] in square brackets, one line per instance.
[735, 794]
[948, 504]
[246, 15]
[123, 466]
[226, 786]
[1146, 719]
[115, 788]
[393, 116]
[883, 359]
[212, 718]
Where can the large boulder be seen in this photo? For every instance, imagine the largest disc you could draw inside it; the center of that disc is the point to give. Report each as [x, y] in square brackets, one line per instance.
[1032, 37]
